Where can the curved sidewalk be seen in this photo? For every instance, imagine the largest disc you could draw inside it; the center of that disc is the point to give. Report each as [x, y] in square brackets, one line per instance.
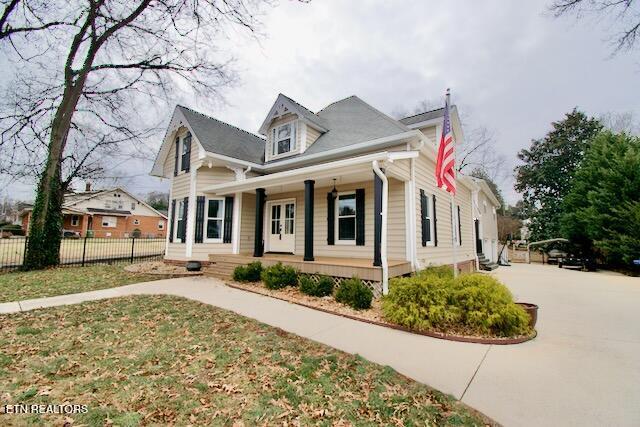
[582, 369]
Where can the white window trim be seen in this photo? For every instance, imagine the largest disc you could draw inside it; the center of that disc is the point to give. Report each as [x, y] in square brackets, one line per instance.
[207, 218]
[337, 240]
[273, 144]
[432, 228]
[176, 237]
[115, 222]
[268, 219]
[75, 220]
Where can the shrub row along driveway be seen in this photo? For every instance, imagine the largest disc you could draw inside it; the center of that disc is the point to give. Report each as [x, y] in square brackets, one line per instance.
[582, 369]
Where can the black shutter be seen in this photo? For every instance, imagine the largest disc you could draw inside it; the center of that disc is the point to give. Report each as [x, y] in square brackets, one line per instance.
[173, 220]
[228, 219]
[435, 222]
[424, 212]
[199, 233]
[360, 212]
[331, 219]
[186, 157]
[175, 168]
[459, 227]
[183, 232]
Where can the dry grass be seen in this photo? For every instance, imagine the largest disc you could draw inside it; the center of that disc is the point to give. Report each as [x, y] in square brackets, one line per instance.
[157, 360]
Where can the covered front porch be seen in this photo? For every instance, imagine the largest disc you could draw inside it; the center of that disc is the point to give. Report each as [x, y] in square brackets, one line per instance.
[351, 217]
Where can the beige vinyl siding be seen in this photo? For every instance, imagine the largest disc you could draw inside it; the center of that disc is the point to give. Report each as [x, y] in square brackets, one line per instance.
[488, 222]
[442, 254]
[247, 223]
[396, 222]
[211, 176]
[430, 133]
[312, 135]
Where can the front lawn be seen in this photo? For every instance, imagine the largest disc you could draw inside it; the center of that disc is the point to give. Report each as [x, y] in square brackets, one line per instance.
[168, 360]
[21, 285]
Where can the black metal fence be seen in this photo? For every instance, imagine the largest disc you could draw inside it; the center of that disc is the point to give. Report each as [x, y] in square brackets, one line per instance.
[85, 251]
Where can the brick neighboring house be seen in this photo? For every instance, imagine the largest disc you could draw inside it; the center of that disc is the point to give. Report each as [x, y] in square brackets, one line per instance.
[111, 213]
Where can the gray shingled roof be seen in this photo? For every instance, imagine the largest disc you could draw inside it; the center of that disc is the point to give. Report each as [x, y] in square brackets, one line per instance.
[352, 121]
[308, 114]
[348, 121]
[423, 117]
[222, 138]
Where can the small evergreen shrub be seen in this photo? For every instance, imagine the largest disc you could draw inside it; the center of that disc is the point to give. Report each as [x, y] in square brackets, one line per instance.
[248, 273]
[472, 303]
[279, 276]
[322, 288]
[354, 293]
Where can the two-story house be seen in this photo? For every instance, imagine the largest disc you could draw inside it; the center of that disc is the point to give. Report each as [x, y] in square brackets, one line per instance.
[345, 191]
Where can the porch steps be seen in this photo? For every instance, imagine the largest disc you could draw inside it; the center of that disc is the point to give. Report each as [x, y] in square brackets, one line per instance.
[222, 268]
[485, 264]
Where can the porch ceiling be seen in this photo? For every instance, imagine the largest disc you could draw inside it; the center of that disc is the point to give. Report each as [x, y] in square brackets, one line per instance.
[344, 171]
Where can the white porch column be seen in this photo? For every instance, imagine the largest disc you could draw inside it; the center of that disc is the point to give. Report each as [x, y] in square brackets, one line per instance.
[191, 211]
[237, 223]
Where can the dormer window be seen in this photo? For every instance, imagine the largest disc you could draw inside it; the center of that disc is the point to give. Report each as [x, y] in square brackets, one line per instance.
[283, 139]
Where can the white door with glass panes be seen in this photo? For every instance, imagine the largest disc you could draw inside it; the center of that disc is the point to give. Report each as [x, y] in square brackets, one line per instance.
[281, 228]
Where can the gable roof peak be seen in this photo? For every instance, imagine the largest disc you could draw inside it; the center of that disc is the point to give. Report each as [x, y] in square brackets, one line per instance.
[284, 104]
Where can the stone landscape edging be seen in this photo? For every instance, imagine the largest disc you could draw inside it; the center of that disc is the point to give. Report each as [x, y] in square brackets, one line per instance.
[438, 335]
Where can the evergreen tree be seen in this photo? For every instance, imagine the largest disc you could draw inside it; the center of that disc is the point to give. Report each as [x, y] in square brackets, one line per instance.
[602, 210]
[549, 166]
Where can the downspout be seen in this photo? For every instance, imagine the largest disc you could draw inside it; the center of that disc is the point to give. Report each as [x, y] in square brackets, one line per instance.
[383, 238]
[414, 239]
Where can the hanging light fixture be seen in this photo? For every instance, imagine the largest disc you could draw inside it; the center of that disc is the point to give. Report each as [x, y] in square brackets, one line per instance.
[334, 192]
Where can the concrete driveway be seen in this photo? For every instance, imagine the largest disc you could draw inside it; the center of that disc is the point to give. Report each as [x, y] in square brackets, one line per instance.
[583, 368]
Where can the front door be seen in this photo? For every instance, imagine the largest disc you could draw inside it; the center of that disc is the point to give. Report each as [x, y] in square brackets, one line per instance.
[282, 226]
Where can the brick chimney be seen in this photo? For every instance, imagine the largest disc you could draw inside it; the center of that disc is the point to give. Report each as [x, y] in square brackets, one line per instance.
[87, 186]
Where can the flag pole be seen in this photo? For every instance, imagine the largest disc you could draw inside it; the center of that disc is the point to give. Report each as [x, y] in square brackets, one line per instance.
[454, 245]
[454, 242]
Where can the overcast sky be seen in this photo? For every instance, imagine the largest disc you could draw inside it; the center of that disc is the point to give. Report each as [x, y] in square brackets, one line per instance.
[510, 65]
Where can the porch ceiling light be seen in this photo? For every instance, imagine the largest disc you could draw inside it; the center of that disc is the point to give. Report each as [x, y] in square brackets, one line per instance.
[334, 192]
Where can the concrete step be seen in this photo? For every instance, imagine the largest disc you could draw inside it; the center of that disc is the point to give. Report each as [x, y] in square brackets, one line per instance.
[489, 266]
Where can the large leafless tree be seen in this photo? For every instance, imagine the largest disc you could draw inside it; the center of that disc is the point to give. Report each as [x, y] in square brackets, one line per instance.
[623, 14]
[84, 70]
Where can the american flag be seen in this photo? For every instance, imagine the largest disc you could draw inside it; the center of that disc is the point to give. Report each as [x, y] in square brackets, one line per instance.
[445, 167]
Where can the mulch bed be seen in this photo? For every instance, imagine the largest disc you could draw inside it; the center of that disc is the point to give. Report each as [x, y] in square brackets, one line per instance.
[373, 315]
[161, 269]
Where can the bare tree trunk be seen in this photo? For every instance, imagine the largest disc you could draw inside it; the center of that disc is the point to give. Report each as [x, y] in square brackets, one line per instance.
[45, 233]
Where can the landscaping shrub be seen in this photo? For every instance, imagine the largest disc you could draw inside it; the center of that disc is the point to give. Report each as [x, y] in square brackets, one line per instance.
[279, 276]
[322, 288]
[472, 303]
[248, 273]
[354, 293]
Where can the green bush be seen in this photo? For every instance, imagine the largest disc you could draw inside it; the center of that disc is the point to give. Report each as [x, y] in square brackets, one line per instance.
[279, 276]
[472, 303]
[248, 273]
[322, 288]
[354, 293]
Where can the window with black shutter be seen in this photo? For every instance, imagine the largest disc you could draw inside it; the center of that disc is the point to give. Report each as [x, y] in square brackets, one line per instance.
[172, 223]
[331, 218]
[435, 220]
[183, 220]
[459, 227]
[199, 229]
[360, 214]
[228, 219]
[426, 218]
[177, 156]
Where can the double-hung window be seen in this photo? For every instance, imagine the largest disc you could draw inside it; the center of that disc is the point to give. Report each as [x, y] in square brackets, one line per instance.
[428, 222]
[346, 216]
[75, 220]
[283, 139]
[215, 220]
[109, 221]
[161, 224]
[180, 221]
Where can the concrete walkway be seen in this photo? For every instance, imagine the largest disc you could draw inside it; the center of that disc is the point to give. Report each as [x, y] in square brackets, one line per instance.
[583, 369]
